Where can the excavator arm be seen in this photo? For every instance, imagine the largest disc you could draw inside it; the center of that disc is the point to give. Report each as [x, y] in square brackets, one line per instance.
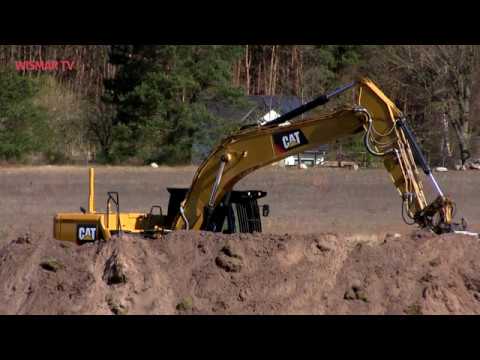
[386, 134]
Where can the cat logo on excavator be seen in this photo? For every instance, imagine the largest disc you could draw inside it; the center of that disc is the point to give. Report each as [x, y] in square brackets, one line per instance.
[290, 140]
[86, 232]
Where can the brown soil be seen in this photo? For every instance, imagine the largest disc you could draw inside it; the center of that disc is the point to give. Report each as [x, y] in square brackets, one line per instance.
[204, 273]
[308, 271]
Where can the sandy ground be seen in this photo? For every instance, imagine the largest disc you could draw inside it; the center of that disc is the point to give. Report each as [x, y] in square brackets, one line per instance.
[204, 273]
[328, 248]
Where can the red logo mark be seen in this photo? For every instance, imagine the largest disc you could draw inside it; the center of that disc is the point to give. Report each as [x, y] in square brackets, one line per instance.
[49, 65]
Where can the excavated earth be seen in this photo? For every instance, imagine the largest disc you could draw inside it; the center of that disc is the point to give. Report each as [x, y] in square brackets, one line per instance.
[204, 273]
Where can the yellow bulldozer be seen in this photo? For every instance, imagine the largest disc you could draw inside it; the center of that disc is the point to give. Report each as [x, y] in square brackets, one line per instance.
[212, 204]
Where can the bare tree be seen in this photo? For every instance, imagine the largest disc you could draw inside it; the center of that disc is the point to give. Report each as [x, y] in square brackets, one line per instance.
[100, 125]
[439, 78]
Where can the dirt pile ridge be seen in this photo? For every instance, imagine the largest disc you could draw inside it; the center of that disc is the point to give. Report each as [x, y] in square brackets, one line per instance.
[205, 273]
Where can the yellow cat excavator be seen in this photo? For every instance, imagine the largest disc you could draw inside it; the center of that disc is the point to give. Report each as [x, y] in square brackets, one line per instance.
[211, 203]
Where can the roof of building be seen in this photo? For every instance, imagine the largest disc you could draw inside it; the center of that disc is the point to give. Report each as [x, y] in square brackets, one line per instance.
[281, 104]
[254, 108]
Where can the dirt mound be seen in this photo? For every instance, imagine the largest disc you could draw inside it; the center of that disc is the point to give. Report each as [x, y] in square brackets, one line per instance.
[421, 274]
[205, 273]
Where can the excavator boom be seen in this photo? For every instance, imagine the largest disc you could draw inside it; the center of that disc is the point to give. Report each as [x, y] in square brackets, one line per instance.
[254, 148]
[373, 114]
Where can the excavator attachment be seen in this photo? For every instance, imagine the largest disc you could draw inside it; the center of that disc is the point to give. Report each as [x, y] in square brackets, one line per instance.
[389, 136]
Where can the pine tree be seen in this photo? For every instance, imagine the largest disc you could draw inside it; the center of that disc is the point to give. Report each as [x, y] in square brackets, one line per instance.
[23, 126]
[160, 94]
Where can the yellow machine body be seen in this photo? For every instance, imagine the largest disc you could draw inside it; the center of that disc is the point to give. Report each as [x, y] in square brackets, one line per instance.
[385, 135]
[92, 225]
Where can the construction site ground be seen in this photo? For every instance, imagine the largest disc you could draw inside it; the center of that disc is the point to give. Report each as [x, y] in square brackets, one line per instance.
[335, 243]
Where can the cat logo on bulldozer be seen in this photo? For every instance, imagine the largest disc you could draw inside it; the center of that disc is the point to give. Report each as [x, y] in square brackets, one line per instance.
[86, 233]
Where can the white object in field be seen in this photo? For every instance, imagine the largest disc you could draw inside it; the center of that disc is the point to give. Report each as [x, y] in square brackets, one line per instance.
[468, 233]
[293, 160]
[340, 164]
[441, 169]
[154, 165]
[290, 161]
[268, 117]
[303, 166]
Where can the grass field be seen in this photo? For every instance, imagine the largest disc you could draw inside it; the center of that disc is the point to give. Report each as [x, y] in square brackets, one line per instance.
[301, 201]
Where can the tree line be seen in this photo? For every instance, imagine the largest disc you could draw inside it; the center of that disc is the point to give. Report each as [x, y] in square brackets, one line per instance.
[142, 103]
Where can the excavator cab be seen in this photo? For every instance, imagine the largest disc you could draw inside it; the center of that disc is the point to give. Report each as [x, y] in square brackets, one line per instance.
[237, 212]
